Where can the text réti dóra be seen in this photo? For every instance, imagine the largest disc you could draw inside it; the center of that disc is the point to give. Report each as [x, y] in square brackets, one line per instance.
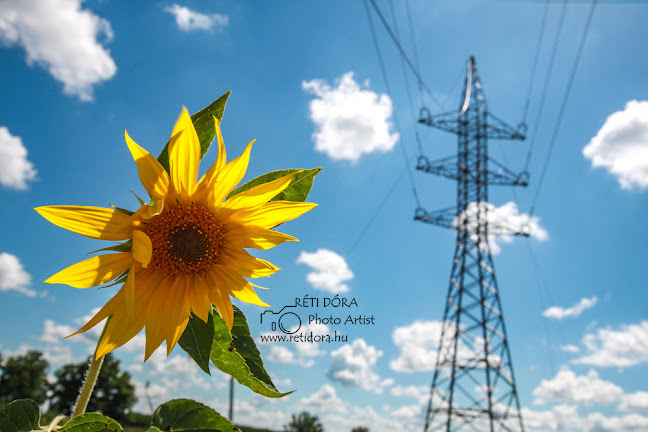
[350, 320]
[336, 301]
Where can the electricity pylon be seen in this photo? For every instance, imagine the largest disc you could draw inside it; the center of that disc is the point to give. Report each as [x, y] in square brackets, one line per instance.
[473, 386]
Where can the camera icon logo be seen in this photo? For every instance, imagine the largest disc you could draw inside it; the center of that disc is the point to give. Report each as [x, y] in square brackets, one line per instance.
[288, 322]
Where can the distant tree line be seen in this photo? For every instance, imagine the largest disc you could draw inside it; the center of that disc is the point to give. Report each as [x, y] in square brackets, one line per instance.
[25, 376]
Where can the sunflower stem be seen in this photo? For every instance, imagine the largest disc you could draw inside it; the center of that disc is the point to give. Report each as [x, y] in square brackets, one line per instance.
[90, 379]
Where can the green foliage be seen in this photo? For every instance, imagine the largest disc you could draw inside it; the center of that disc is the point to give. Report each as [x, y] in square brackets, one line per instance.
[188, 415]
[304, 422]
[23, 377]
[197, 340]
[20, 416]
[113, 394]
[360, 429]
[297, 191]
[236, 354]
[204, 125]
[91, 422]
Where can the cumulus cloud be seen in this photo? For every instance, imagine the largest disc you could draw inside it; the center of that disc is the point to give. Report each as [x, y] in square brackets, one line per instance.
[61, 37]
[418, 343]
[503, 222]
[624, 347]
[325, 399]
[189, 20]
[621, 146]
[330, 270]
[15, 169]
[566, 386]
[352, 364]
[637, 401]
[557, 312]
[54, 333]
[13, 276]
[351, 119]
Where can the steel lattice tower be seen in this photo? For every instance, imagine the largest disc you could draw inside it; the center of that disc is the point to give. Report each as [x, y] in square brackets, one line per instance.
[473, 386]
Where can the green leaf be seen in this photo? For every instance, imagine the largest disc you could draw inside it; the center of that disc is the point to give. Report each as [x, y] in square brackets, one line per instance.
[197, 340]
[127, 246]
[119, 209]
[188, 415]
[237, 355]
[91, 422]
[20, 415]
[204, 125]
[297, 190]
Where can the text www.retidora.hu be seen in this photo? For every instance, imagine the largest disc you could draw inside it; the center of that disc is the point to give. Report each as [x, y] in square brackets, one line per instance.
[304, 337]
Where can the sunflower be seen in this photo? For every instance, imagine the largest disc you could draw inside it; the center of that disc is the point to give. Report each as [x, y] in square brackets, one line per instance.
[183, 252]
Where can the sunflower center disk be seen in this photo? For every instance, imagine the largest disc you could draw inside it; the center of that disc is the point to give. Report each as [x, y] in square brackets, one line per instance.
[186, 240]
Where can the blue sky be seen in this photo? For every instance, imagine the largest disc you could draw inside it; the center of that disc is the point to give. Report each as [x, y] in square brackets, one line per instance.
[306, 83]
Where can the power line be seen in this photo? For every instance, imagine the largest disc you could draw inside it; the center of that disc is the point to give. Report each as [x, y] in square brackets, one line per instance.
[402, 51]
[407, 86]
[396, 123]
[535, 61]
[546, 84]
[563, 105]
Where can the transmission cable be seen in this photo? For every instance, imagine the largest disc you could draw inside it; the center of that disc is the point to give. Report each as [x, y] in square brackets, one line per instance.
[535, 61]
[407, 86]
[563, 105]
[396, 123]
[552, 59]
[402, 51]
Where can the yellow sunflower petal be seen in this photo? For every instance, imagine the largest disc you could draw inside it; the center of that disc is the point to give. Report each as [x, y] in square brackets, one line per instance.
[142, 248]
[94, 222]
[218, 296]
[155, 317]
[151, 173]
[198, 298]
[228, 178]
[260, 194]
[218, 165]
[176, 312]
[184, 157]
[236, 286]
[246, 265]
[249, 236]
[114, 304]
[94, 271]
[272, 213]
[129, 294]
[118, 332]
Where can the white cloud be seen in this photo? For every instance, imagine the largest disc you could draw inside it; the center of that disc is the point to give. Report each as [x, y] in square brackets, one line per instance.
[566, 386]
[62, 37]
[351, 120]
[15, 169]
[557, 312]
[13, 276]
[54, 333]
[418, 343]
[330, 270]
[569, 348]
[621, 146]
[417, 392]
[597, 422]
[304, 352]
[625, 347]
[637, 401]
[352, 364]
[503, 222]
[325, 399]
[189, 20]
